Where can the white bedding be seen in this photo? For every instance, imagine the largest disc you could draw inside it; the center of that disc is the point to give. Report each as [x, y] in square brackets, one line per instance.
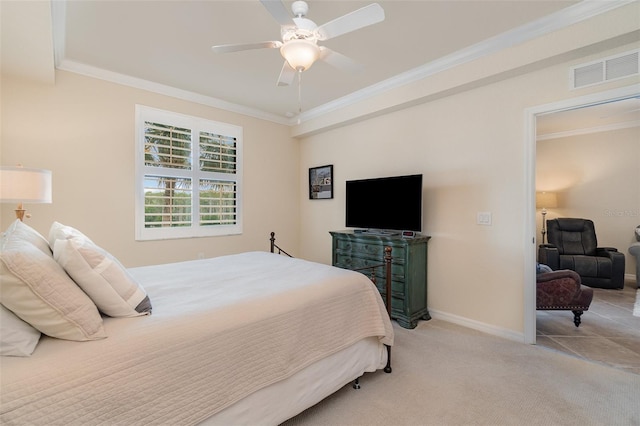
[282, 400]
[221, 329]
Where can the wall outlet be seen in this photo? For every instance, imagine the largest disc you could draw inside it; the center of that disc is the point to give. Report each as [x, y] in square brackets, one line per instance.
[483, 218]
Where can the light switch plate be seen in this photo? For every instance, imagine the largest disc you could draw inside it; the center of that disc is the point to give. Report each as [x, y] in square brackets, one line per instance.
[483, 218]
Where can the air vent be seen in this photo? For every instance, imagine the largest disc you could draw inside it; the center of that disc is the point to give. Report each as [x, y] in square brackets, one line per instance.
[604, 70]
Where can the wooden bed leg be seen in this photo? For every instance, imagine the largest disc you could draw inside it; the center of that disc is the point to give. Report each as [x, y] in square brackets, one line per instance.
[387, 368]
[356, 383]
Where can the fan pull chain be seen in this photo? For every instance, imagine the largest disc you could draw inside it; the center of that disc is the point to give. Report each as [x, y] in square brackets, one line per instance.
[299, 93]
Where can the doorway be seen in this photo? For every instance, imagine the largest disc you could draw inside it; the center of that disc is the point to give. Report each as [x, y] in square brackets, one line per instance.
[531, 118]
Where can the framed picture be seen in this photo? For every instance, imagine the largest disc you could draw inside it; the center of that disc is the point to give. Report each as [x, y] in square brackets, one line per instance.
[321, 182]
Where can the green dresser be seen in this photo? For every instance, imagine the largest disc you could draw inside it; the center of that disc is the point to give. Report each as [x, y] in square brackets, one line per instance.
[352, 250]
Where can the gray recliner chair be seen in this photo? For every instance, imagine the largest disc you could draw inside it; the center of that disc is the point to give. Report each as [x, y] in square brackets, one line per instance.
[573, 245]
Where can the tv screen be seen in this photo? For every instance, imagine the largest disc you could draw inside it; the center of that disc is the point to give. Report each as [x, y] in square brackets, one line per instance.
[388, 203]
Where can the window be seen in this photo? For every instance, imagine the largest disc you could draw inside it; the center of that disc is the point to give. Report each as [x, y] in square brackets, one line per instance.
[188, 176]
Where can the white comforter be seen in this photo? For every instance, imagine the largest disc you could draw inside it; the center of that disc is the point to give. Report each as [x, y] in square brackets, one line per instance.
[221, 329]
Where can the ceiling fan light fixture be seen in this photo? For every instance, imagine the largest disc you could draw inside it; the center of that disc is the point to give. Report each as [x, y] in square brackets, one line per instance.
[300, 54]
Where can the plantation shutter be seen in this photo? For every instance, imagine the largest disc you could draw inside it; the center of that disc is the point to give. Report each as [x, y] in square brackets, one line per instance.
[167, 200]
[189, 176]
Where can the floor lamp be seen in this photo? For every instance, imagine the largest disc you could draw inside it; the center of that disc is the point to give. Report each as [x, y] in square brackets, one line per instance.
[24, 185]
[544, 201]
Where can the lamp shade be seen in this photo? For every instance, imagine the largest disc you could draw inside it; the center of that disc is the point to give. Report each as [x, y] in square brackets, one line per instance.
[300, 54]
[25, 185]
[546, 200]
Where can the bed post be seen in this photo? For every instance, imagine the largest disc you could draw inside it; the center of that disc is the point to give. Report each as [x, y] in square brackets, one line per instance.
[274, 246]
[387, 269]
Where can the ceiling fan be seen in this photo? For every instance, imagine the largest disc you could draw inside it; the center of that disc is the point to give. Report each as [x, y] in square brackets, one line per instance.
[300, 37]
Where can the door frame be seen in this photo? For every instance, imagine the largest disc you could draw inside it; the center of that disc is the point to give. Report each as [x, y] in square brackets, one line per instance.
[530, 115]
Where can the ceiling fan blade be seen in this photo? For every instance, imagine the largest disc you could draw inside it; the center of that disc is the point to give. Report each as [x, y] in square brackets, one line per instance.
[226, 48]
[287, 75]
[339, 61]
[278, 10]
[355, 20]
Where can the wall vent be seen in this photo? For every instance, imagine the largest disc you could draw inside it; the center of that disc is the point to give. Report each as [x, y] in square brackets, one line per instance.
[605, 70]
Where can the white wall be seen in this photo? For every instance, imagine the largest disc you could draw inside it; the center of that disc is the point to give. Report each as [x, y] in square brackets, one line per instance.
[82, 129]
[596, 176]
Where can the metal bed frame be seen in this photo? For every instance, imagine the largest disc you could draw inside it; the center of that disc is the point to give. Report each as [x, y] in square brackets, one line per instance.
[386, 264]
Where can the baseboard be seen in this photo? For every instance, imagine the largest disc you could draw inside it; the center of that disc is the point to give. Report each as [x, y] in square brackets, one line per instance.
[488, 328]
[477, 325]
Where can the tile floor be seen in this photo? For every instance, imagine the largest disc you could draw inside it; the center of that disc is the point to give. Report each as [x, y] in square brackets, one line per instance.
[608, 334]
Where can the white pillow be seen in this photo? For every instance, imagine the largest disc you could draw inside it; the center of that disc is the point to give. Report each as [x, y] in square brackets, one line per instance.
[114, 291]
[17, 338]
[22, 231]
[37, 290]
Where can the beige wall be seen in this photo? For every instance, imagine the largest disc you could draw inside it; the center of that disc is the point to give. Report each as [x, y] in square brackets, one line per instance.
[596, 176]
[82, 129]
[471, 149]
[463, 129]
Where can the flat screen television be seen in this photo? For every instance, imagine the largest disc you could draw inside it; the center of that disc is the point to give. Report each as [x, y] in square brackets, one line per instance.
[385, 204]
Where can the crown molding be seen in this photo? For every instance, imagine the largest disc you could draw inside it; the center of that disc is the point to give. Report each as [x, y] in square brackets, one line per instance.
[58, 13]
[588, 130]
[138, 83]
[579, 12]
[58, 24]
[573, 14]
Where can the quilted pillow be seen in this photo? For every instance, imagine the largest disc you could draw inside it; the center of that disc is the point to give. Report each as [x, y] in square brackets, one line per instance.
[114, 291]
[17, 338]
[37, 290]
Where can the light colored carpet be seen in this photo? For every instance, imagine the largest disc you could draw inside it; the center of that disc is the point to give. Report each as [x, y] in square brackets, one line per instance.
[444, 374]
[636, 307]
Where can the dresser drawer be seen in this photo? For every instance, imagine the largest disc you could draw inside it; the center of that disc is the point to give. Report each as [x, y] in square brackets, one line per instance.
[348, 261]
[374, 250]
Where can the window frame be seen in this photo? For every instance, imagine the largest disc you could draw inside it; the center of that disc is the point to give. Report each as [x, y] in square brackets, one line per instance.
[196, 125]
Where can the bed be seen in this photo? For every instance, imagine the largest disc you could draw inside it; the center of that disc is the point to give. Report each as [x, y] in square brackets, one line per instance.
[251, 338]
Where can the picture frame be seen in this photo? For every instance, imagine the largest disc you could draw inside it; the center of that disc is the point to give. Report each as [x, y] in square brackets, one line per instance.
[321, 182]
